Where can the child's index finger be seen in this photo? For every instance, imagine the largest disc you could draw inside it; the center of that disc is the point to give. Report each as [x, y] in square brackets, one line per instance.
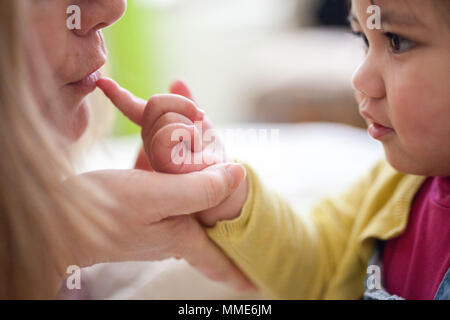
[130, 105]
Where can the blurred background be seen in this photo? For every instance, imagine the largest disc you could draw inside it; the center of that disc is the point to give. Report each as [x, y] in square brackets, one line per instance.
[283, 65]
[245, 60]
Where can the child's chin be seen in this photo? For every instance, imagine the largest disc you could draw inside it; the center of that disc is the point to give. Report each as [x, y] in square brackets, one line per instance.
[404, 163]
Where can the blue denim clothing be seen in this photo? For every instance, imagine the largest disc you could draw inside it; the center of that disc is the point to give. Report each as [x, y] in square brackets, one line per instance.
[380, 293]
[443, 292]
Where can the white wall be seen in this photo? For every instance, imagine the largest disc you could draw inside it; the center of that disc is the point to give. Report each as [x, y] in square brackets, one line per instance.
[209, 44]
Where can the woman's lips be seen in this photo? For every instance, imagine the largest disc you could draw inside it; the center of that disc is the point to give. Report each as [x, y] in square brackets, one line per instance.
[87, 84]
[377, 131]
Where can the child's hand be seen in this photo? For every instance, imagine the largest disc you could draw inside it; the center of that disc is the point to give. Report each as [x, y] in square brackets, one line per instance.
[166, 118]
[177, 136]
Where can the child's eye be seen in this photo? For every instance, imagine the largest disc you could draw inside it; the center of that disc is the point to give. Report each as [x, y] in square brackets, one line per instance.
[399, 44]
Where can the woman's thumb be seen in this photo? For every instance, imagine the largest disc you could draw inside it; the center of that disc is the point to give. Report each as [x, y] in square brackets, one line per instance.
[235, 173]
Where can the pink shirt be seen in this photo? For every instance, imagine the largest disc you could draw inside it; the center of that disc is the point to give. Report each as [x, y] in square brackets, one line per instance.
[415, 262]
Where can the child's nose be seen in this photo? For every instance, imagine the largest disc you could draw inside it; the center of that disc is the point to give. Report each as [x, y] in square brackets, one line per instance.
[99, 14]
[368, 80]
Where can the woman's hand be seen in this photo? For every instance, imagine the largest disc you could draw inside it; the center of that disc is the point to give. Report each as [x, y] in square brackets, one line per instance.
[153, 215]
[165, 228]
[161, 118]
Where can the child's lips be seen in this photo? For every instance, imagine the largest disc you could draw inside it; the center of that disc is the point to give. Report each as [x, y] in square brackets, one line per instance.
[378, 131]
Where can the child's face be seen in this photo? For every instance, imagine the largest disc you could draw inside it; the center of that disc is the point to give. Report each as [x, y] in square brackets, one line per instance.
[403, 85]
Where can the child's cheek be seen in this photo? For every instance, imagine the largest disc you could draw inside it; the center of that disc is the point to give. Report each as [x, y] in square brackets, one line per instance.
[414, 111]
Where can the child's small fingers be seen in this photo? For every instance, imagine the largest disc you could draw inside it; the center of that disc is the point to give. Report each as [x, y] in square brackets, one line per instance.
[131, 106]
[180, 87]
[142, 162]
[158, 105]
[164, 103]
[164, 120]
[171, 150]
[170, 147]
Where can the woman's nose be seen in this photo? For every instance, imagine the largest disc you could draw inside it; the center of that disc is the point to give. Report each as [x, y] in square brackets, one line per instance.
[368, 79]
[99, 14]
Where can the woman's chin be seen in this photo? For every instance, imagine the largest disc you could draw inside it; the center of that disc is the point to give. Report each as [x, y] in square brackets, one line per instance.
[76, 124]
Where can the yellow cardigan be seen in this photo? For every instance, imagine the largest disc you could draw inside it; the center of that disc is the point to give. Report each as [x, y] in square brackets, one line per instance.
[323, 255]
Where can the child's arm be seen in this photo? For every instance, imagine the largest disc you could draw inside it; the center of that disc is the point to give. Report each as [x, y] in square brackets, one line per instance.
[288, 255]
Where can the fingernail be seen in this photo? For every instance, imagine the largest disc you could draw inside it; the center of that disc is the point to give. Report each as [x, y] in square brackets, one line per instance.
[236, 174]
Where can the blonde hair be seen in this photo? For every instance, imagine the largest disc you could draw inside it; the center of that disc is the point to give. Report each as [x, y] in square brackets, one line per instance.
[44, 217]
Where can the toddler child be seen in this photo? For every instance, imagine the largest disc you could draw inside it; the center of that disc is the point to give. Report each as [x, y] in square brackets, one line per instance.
[388, 236]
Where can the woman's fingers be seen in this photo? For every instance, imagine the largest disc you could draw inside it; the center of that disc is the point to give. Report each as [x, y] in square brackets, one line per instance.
[131, 106]
[155, 196]
[198, 191]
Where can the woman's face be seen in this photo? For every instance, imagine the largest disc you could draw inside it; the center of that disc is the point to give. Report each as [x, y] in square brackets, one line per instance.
[74, 56]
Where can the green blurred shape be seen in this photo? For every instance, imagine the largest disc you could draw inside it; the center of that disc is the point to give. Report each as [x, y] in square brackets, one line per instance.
[135, 55]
